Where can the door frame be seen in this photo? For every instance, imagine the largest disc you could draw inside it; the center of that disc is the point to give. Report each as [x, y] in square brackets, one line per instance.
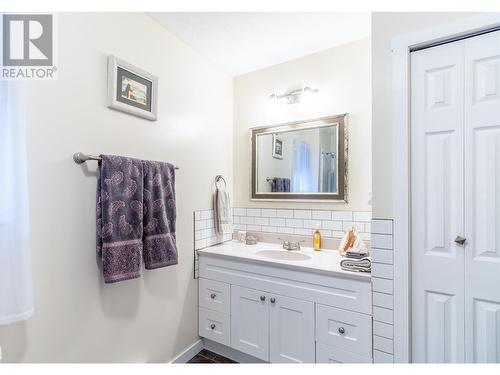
[401, 79]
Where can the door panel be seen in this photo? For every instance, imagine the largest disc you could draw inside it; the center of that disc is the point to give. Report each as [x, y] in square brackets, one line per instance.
[482, 203]
[292, 330]
[437, 203]
[250, 322]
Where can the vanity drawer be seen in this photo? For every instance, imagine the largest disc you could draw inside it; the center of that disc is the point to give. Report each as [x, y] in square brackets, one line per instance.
[214, 295]
[330, 354]
[214, 326]
[343, 329]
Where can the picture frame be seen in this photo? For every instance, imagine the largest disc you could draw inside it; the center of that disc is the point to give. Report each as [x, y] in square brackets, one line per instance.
[277, 147]
[131, 89]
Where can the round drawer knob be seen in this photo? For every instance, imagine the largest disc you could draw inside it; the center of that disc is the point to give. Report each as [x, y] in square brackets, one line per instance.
[341, 330]
[262, 298]
[212, 326]
[272, 300]
[213, 295]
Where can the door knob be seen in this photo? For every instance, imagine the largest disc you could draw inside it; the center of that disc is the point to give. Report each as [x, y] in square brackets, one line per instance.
[341, 330]
[212, 326]
[460, 240]
[272, 300]
[213, 295]
[262, 298]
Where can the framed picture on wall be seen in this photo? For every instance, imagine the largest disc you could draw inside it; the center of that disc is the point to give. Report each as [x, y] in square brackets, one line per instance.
[277, 147]
[131, 89]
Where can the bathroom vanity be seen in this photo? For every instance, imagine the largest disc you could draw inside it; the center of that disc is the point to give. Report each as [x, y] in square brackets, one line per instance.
[284, 306]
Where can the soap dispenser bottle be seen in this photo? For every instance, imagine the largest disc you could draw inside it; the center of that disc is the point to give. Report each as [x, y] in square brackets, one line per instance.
[317, 239]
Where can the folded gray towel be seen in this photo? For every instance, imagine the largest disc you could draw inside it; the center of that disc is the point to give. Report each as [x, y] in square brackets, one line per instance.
[361, 265]
[119, 217]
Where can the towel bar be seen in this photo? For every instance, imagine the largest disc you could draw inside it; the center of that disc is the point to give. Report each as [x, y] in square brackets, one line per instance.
[80, 157]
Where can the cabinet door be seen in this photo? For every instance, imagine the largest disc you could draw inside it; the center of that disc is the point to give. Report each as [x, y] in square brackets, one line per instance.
[250, 322]
[292, 330]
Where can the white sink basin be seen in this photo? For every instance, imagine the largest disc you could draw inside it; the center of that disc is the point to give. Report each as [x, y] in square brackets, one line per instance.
[282, 255]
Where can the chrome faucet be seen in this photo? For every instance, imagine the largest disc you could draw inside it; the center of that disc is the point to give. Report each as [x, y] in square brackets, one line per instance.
[291, 245]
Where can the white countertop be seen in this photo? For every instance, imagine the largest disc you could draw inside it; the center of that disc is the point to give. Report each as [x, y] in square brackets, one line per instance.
[320, 261]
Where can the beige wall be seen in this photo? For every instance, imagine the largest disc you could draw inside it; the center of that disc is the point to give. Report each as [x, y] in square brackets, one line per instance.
[386, 26]
[342, 74]
[77, 317]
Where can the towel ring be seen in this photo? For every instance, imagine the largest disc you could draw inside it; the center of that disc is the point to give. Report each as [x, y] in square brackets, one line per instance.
[218, 178]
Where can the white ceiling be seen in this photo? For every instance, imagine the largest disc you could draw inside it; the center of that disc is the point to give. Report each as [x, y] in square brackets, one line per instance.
[243, 42]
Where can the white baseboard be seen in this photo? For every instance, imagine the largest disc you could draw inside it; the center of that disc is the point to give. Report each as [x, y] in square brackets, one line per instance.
[230, 353]
[189, 352]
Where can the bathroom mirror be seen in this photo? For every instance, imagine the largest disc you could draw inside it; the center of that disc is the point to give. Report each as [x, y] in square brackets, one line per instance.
[303, 160]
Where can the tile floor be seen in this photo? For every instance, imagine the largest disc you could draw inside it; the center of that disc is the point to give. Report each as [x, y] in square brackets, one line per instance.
[206, 356]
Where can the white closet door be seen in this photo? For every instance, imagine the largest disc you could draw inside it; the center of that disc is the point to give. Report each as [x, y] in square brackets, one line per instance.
[437, 165]
[482, 176]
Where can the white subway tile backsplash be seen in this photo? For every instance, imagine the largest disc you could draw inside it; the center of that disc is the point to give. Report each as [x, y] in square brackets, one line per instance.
[269, 229]
[339, 234]
[382, 285]
[381, 241]
[365, 236]
[342, 215]
[284, 230]
[303, 232]
[197, 215]
[254, 228]
[383, 315]
[268, 212]
[312, 224]
[381, 357]
[383, 344]
[382, 226]
[277, 222]
[382, 256]
[262, 220]
[383, 329]
[284, 213]
[302, 214]
[200, 224]
[383, 289]
[360, 227]
[346, 225]
[384, 271]
[295, 223]
[247, 220]
[240, 227]
[362, 216]
[321, 215]
[236, 219]
[239, 211]
[200, 244]
[383, 300]
[253, 211]
[207, 214]
[333, 225]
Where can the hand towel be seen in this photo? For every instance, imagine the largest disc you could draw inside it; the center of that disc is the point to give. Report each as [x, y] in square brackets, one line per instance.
[160, 249]
[222, 210]
[280, 185]
[119, 217]
[361, 265]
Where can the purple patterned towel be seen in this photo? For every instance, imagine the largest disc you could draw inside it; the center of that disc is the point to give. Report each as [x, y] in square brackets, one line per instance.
[120, 217]
[160, 249]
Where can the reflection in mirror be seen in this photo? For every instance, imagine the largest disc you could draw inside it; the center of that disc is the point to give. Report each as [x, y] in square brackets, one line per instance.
[302, 160]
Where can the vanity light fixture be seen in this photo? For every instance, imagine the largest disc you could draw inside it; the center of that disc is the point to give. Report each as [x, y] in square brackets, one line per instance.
[293, 96]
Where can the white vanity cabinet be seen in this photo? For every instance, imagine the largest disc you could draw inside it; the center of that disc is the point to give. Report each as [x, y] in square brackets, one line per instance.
[280, 313]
